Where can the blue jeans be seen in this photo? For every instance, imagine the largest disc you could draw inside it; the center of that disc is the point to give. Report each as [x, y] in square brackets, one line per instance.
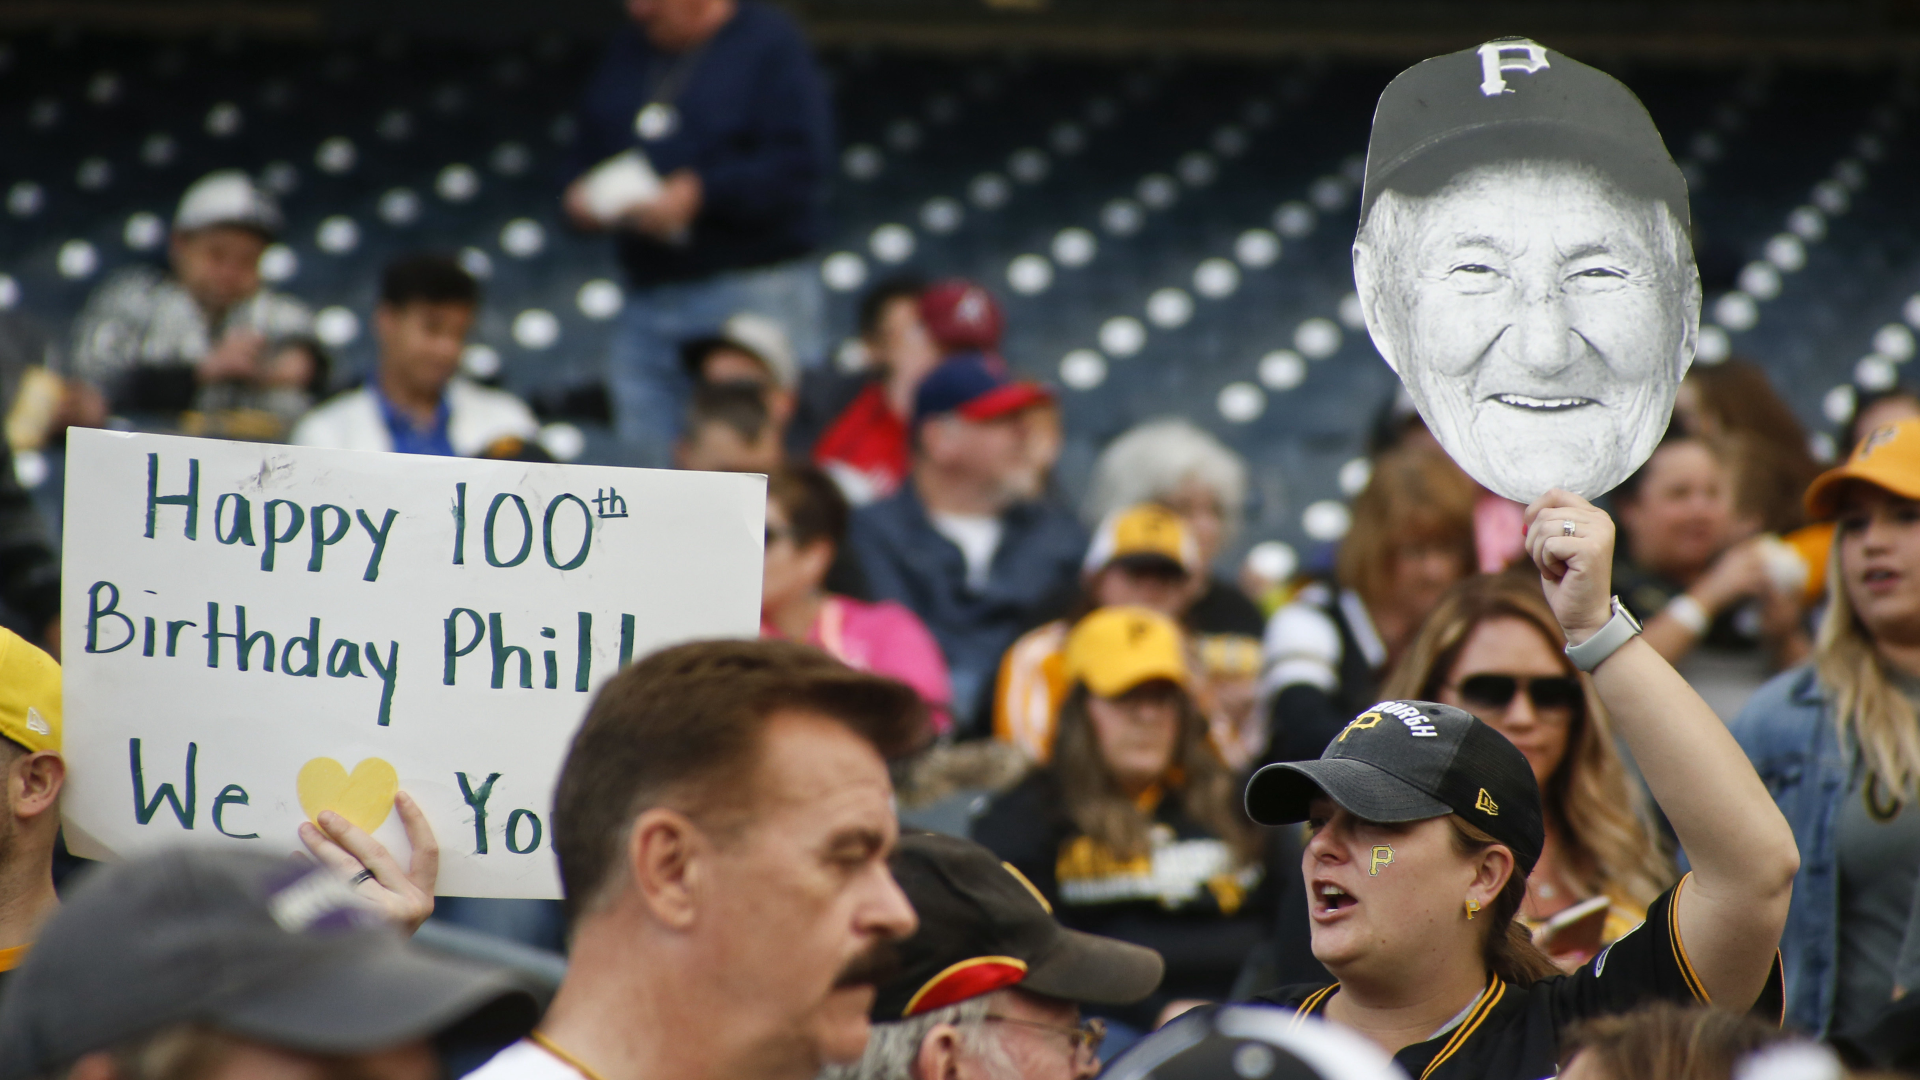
[645, 379]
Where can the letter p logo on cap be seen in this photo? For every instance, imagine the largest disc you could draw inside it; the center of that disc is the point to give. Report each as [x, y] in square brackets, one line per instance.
[1496, 57]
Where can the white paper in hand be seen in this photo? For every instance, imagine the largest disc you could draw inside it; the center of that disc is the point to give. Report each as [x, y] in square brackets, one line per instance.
[619, 184]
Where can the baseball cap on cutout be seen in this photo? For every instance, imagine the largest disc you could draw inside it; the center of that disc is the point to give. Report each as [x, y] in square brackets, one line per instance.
[1211, 1043]
[1888, 458]
[961, 316]
[984, 927]
[756, 335]
[1511, 99]
[1409, 761]
[29, 694]
[1145, 533]
[1116, 649]
[227, 197]
[975, 388]
[274, 950]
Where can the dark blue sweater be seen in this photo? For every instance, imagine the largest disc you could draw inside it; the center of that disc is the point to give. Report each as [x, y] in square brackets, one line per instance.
[754, 124]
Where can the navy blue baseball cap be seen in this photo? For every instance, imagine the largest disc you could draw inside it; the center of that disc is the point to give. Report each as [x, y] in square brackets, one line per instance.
[1512, 99]
[976, 387]
[1410, 761]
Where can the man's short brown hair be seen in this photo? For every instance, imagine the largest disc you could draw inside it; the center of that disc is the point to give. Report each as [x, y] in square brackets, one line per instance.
[684, 726]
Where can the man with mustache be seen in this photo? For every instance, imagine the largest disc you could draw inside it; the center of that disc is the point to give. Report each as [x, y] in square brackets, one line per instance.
[1524, 266]
[723, 822]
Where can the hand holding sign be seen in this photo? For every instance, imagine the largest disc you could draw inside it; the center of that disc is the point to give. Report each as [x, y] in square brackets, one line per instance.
[405, 896]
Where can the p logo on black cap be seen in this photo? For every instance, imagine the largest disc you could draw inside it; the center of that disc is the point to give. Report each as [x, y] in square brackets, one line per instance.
[1496, 57]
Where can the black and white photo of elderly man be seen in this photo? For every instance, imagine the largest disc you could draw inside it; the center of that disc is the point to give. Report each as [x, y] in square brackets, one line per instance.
[1524, 266]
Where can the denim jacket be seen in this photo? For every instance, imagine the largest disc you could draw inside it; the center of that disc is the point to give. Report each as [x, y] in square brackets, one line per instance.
[1788, 732]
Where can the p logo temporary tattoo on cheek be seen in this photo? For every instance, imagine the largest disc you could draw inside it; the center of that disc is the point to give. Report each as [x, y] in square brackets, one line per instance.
[1382, 856]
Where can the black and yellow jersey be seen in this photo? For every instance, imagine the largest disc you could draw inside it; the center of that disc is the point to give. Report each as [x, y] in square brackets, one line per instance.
[1513, 1032]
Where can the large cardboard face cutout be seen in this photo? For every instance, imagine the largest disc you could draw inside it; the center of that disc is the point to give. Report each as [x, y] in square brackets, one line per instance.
[1524, 266]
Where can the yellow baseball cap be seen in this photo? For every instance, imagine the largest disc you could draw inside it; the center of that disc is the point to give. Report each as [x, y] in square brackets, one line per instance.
[1888, 458]
[1148, 530]
[1116, 649]
[29, 694]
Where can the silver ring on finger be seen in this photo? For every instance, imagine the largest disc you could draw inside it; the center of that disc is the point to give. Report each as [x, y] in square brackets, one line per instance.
[361, 877]
[1566, 528]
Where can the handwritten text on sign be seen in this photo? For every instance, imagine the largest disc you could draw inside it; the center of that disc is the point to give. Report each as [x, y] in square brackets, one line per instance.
[254, 634]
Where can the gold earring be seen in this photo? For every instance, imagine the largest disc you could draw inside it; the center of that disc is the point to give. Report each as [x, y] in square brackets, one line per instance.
[1473, 908]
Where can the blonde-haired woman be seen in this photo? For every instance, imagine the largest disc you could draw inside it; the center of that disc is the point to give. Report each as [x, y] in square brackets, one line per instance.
[1493, 648]
[1838, 743]
[1325, 652]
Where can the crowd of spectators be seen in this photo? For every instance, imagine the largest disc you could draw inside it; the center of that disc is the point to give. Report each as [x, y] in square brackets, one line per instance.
[725, 823]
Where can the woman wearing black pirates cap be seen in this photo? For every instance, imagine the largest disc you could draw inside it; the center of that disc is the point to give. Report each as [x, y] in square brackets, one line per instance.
[1424, 822]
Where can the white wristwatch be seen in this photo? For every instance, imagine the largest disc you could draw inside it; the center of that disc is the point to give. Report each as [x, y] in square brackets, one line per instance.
[1620, 629]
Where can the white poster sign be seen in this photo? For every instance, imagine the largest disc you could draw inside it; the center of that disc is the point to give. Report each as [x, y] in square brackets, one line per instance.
[253, 634]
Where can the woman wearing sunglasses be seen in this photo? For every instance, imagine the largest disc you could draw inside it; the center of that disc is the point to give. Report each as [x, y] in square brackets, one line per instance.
[1493, 648]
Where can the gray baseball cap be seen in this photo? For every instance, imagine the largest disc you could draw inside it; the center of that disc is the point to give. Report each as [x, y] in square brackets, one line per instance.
[1507, 99]
[274, 950]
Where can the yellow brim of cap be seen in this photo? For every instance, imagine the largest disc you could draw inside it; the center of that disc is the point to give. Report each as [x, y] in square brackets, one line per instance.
[1118, 676]
[1823, 495]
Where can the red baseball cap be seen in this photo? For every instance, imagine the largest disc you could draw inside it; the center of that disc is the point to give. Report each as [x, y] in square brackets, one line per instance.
[961, 316]
[976, 388]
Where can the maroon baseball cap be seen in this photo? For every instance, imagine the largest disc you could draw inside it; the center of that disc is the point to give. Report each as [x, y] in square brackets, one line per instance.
[961, 316]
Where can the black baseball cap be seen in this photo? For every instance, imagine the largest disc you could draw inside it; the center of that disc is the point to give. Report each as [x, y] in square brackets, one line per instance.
[1255, 1041]
[274, 950]
[984, 927]
[1409, 761]
[1507, 99]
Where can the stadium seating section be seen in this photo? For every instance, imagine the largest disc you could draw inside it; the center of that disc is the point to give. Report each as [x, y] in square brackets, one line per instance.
[1170, 236]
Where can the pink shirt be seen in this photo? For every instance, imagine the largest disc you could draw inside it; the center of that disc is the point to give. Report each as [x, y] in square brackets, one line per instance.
[886, 639]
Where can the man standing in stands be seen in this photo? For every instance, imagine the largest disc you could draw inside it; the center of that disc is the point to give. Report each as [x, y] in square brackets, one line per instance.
[206, 336]
[415, 403]
[960, 544]
[723, 822]
[729, 118]
[32, 773]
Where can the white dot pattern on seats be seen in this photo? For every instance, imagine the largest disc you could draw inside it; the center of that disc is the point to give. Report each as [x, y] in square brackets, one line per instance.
[511, 159]
[536, 329]
[93, 174]
[523, 238]
[1197, 169]
[1028, 165]
[1083, 369]
[862, 162]
[395, 125]
[1713, 346]
[280, 177]
[25, 199]
[891, 243]
[1837, 405]
[400, 206]
[563, 440]
[1760, 280]
[1329, 193]
[1122, 336]
[1241, 402]
[1736, 311]
[989, 191]
[337, 235]
[942, 215]
[480, 361]
[279, 263]
[159, 149]
[1122, 217]
[1157, 191]
[1326, 520]
[1169, 308]
[1874, 373]
[1294, 219]
[336, 326]
[1895, 342]
[843, 271]
[1273, 560]
[1067, 139]
[1807, 223]
[476, 262]
[903, 135]
[224, 120]
[1074, 247]
[599, 299]
[1354, 474]
[9, 292]
[1216, 278]
[1029, 275]
[143, 231]
[1282, 369]
[336, 155]
[1256, 249]
[1786, 251]
[1350, 313]
[77, 259]
[1317, 338]
[457, 182]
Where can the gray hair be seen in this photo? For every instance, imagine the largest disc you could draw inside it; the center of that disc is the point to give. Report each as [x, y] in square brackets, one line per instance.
[894, 1047]
[1149, 462]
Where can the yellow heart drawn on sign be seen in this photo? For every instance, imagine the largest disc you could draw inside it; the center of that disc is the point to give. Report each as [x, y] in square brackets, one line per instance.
[364, 798]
